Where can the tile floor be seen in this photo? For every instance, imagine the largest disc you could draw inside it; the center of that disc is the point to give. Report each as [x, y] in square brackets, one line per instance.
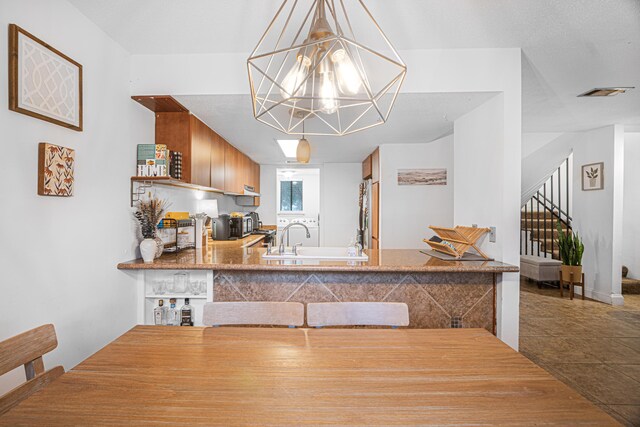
[592, 347]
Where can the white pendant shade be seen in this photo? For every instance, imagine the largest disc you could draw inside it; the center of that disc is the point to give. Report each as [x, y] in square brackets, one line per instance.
[310, 67]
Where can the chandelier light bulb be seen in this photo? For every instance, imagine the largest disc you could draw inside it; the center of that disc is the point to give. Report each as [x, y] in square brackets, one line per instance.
[349, 81]
[328, 93]
[295, 77]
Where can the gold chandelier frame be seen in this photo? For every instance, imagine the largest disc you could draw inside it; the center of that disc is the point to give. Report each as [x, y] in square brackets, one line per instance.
[370, 107]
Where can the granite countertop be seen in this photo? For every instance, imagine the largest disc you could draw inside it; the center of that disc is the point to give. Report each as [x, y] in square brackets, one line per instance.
[242, 257]
[245, 242]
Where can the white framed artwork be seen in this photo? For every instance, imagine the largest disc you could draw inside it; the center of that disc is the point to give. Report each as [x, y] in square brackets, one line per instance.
[43, 82]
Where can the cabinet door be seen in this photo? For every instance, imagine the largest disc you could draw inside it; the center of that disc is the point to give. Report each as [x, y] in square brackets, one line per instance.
[173, 130]
[217, 161]
[200, 153]
[374, 243]
[231, 159]
[366, 168]
[375, 211]
[375, 166]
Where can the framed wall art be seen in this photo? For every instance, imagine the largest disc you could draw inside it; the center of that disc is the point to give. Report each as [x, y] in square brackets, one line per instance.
[593, 176]
[422, 177]
[43, 82]
[55, 170]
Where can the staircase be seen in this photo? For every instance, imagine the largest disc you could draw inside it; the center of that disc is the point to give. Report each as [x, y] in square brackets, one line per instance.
[540, 215]
[542, 235]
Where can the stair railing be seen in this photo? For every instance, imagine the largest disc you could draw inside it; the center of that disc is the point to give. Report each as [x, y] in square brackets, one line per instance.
[549, 210]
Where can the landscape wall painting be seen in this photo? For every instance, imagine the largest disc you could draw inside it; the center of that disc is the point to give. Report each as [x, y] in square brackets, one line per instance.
[422, 177]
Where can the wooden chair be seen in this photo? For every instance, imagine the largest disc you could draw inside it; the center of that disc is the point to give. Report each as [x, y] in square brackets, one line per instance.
[253, 313]
[27, 349]
[571, 284]
[392, 314]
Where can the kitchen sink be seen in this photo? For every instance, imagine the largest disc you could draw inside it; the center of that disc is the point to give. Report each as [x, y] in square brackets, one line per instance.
[328, 253]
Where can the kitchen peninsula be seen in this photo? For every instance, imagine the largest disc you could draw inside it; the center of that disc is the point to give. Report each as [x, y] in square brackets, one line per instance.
[440, 294]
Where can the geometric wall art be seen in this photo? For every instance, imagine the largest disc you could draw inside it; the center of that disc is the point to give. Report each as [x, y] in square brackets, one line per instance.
[422, 177]
[43, 82]
[55, 170]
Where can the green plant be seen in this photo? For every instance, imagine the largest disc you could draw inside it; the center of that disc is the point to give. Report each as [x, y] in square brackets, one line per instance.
[571, 247]
[149, 213]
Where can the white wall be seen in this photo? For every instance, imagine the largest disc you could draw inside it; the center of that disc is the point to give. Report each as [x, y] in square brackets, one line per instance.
[59, 258]
[597, 215]
[487, 192]
[339, 203]
[407, 211]
[268, 190]
[631, 211]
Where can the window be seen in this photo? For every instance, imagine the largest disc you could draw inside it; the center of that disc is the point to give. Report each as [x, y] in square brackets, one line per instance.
[291, 196]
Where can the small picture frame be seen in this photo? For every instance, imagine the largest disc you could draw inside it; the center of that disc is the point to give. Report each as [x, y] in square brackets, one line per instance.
[55, 170]
[593, 176]
[43, 82]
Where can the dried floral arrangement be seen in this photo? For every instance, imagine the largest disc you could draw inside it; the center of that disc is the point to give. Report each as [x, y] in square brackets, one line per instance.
[148, 213]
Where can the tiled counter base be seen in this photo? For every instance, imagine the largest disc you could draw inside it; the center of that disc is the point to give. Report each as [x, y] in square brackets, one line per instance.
[435, 300]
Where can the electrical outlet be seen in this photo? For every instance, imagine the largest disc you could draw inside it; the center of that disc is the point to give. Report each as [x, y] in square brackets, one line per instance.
[492, 235]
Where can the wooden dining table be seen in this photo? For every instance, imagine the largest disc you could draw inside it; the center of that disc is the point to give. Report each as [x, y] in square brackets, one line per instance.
[279, 376]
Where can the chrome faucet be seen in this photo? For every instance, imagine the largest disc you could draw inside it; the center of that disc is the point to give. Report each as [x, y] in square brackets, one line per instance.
[284, 230]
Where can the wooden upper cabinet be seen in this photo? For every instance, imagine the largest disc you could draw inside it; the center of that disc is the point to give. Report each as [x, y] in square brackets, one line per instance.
[200, 153]
[375, 166]
[366, 168]
[218, 148]
[232, 172]
[174, 131]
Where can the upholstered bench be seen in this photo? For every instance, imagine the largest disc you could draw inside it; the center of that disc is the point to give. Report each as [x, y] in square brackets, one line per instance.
[539, 269]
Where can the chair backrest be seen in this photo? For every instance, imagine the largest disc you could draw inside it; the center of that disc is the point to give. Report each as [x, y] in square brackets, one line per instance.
[253, 313]
[27, 349]
[357, 314]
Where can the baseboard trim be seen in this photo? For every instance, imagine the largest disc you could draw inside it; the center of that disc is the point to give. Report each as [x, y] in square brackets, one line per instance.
[613, 299]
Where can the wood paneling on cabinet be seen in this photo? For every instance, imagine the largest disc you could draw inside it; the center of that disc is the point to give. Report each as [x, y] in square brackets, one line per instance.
[208, 160]
[232, 172]
[174, 131]
[366, 168]
[374, 243]
[375, 210]
[161, 104]
[201, 137]
[218, 145]
[375, 166]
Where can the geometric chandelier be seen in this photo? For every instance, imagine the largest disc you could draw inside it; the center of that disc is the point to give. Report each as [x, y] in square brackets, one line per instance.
[310, 68]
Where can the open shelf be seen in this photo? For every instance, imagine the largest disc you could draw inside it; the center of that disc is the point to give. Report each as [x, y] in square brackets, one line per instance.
[177, 296]
[146, 182]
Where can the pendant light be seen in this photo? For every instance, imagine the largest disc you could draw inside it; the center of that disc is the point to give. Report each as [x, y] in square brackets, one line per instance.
[310, 67]
[303, 150]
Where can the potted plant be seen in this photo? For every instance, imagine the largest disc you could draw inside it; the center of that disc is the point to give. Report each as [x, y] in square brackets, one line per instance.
[571, 250]
[148, 213]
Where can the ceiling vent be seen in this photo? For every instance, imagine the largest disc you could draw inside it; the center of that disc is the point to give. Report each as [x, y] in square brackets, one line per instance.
[605, 91]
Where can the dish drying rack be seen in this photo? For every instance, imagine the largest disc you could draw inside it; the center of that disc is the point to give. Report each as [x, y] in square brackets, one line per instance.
[170, 229]
[458, 240]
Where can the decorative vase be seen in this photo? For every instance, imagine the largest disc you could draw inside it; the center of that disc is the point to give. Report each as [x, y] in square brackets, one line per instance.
[160, 245]
[568, 269]
[148, 248]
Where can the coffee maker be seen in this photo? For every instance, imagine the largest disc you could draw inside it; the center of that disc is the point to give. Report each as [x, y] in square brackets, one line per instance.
[221, 229]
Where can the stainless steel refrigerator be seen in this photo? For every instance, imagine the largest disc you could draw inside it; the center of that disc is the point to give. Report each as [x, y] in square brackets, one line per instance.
[364, 216]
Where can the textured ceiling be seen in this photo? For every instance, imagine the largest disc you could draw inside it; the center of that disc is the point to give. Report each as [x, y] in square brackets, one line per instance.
[415, 118]
[569, 46]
